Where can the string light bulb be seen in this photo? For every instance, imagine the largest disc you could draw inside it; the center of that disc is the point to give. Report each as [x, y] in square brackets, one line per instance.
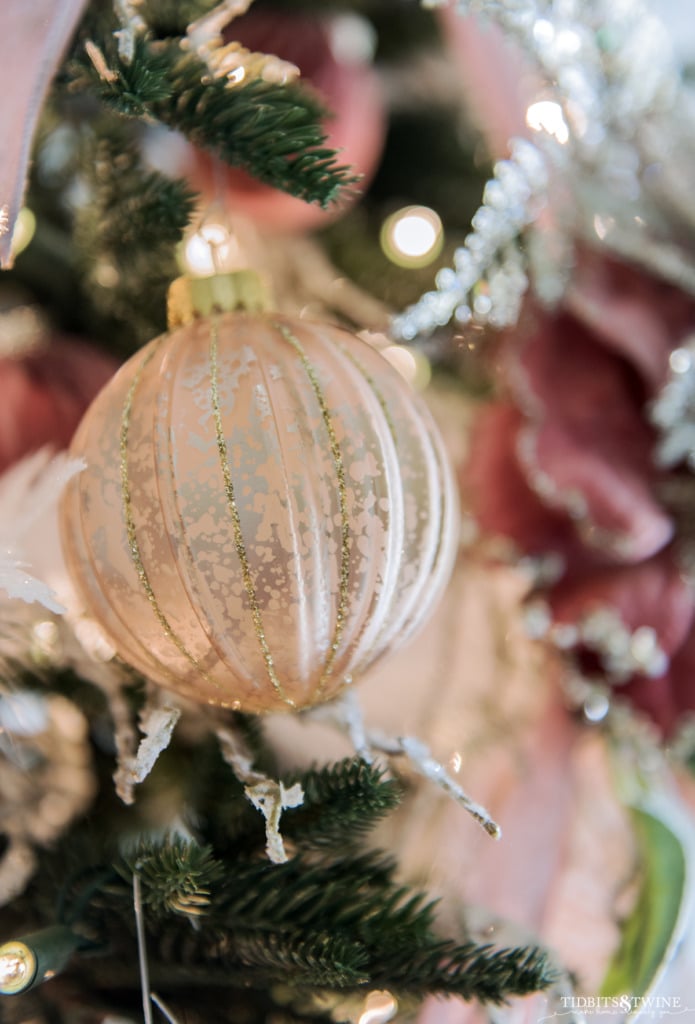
[32, 959]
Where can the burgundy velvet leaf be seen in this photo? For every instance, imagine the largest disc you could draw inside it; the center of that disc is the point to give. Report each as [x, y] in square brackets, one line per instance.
[497, 492]
[44, 395]
[587, 447]
[635, 315]
[652, 593]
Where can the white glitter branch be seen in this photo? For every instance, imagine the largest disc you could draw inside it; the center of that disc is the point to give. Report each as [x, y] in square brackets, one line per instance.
[607, 63]
[609, 69]
[157, 724]
[346, 715]
[488, 281]
[267, 795]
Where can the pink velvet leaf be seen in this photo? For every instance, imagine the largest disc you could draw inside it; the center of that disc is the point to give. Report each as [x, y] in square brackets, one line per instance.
[498, 494]
[638, 317]
[587, 447]
[45, 393]
[33, 37]
[652, 594]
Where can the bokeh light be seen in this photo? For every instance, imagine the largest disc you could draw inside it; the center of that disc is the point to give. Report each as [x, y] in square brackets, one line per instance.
[412, 236]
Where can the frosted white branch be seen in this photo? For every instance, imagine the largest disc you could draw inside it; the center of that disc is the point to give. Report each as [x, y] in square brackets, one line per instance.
[488, 280]
[267, 795]
[132, 25]
[609, 72]
[346, 715]
[208, 29]
[18, 583]
[157, 724]
[271, 798]
[608, 64]
[98, 59]
[27, 490]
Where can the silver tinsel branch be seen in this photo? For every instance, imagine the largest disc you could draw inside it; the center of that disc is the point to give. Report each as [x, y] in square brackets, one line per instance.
[609, 106]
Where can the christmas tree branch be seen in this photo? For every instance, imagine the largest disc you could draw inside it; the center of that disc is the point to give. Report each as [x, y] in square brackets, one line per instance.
[365, 928]
[273, 131]
[341, 803]
[172, 17]
[126, 233]
[318, 924]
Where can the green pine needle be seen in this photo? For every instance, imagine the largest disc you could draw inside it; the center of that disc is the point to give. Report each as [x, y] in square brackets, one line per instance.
[127, 232]
[470, 971]
[342, 802]
[271, 131]
[322, 960]
[337, 924]
[177, 877]
[220, 922]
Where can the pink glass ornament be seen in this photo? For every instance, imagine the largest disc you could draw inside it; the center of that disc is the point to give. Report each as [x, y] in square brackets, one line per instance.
[266, 510]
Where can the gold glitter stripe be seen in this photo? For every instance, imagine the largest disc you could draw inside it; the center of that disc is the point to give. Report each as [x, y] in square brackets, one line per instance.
[337, 456]
[126, 502]
[249, 585]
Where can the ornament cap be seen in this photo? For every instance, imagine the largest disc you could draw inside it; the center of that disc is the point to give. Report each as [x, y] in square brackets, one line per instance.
[192, 297]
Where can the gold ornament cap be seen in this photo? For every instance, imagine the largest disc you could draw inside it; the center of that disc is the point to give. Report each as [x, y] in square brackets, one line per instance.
[192, 297]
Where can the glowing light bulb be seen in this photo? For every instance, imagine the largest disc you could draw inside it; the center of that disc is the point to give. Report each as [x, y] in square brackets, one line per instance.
[211, 250]
[412, 236]
[547, 116]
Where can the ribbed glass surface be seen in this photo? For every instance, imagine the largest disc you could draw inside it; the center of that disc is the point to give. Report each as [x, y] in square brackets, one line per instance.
[266, 509]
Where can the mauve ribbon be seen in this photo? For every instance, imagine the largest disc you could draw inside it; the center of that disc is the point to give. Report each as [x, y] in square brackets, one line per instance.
[497, 81]
[33, 38]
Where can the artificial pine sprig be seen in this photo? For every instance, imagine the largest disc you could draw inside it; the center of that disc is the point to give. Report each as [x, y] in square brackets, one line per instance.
[341, 803]
[320, 960]
[226, 926]
[177, 877]
[318, 924]
[134, 206]
[126, 233]
[272, 131]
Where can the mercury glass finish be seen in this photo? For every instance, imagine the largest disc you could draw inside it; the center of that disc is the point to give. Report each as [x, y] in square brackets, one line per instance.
[266, 510]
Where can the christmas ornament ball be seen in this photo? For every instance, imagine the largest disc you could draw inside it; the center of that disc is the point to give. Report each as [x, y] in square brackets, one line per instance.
[265, 510]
